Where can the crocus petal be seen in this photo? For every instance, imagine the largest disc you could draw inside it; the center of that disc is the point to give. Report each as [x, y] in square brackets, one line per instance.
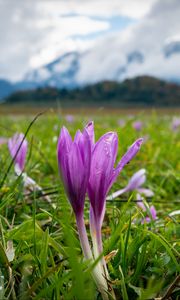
[141, 205]
[19, 154]
[137, 180]
[116, 194]
[90, 129]
[76, 170]
[103, 159]
[64, 141]
[132, 151]
[146, 192]
[63, 149]
[153, 212]
[84, 144]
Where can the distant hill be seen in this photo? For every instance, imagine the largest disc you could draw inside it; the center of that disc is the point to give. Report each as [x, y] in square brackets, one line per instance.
[142, 91]
[6, 88]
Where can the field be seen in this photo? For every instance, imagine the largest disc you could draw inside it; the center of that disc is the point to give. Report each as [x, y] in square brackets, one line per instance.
[40, 253]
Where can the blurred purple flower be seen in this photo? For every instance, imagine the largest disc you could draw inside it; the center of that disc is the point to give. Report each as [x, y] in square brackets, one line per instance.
[69, 118]
[135, 183]
[152, 212]
[18, 150]
[175, 123]
[121, 123]
[137, 125]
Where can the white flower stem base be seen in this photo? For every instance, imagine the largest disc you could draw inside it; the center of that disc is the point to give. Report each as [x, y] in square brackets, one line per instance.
[97, 273]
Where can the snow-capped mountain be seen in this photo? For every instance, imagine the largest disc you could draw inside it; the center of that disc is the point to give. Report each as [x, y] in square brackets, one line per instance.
[110, 60]
[64, 71]
[59, 73]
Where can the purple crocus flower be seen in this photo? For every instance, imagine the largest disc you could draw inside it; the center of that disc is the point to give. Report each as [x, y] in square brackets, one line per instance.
[103, 174]
[137, 125]
[74, 159]
[18, 146]
[18, 150]
[134, 184]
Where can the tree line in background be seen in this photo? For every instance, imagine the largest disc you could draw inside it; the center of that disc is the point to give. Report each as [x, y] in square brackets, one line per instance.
[142, 91]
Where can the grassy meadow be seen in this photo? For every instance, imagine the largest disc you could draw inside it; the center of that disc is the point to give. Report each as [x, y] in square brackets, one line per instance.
[40, 254]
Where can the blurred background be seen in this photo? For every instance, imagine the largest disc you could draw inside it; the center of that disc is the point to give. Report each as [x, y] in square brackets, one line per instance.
[86, 53]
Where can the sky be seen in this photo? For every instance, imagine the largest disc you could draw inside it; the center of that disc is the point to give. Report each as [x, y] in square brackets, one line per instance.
[35, 32]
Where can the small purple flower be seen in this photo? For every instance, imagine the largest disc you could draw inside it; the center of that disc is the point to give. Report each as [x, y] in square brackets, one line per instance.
[19, 155]
[18, 150]
[137, 125]
[69, 118]
[121, 123]
[135, 183]
[175, 123]
[137, 180]
[152, 212]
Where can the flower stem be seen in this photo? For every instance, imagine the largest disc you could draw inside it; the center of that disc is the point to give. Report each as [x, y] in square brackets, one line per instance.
[98, 250]
[97, 272]
[83, 237]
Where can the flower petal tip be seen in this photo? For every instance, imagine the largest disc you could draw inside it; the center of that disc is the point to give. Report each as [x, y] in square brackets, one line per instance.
[139, 142]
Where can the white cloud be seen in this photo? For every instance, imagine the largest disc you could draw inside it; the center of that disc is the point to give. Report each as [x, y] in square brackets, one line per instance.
[132, 8]
[34, 36]
[148, 36]
[39, 31]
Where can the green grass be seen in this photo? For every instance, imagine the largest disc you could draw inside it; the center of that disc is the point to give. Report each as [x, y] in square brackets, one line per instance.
[48, 262]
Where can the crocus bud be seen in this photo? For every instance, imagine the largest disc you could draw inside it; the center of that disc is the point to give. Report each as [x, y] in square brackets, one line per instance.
[103, 174]
[74, 158]
[18, 150]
